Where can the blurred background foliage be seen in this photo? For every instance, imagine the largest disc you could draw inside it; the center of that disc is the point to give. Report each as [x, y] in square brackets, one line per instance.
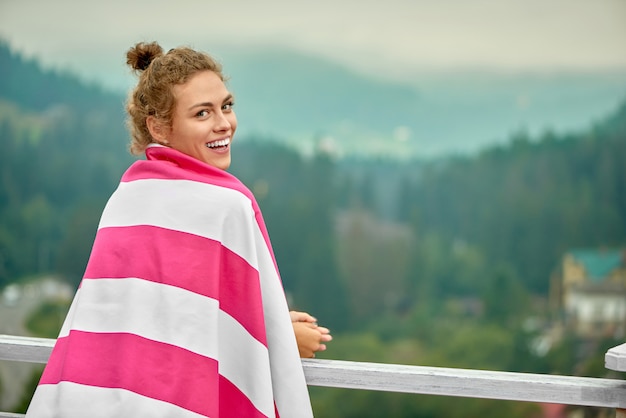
[441, 262]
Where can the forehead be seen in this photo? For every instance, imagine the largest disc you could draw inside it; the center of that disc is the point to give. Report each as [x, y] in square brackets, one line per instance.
[205, 86]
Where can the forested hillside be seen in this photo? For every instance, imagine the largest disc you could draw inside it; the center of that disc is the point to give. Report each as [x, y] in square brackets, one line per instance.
[63, 150]
[532, 200]
[413, 261]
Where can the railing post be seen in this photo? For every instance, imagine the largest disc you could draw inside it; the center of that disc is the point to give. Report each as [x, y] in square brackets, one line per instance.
[615, 359]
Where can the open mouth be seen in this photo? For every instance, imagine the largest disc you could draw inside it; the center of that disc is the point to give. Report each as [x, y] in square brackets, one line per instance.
[222, 143]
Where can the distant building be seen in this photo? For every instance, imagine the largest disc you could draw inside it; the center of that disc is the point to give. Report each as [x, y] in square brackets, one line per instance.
[593, 291]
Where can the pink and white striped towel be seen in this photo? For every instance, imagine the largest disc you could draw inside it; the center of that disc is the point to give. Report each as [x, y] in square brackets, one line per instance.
[181, 312]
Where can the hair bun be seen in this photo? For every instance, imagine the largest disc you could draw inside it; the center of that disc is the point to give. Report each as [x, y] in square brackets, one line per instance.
[142, 54]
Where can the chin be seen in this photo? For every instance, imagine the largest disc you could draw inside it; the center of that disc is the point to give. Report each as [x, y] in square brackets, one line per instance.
[222, 165]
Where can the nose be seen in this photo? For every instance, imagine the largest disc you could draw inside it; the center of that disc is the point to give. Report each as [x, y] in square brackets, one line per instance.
[222, 122]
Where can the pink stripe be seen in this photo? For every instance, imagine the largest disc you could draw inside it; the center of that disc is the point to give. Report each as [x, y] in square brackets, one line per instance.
[172, 257]
[235, 404]
[149, 368]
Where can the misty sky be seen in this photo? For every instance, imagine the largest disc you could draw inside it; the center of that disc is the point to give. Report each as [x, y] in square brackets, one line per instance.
[394, 38]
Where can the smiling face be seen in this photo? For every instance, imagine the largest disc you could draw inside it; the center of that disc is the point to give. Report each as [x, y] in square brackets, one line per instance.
[203, 122]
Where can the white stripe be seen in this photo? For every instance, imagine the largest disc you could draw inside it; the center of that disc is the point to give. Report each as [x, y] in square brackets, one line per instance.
[81, 401]
[290, 390]
[181, 318]
[206, 210]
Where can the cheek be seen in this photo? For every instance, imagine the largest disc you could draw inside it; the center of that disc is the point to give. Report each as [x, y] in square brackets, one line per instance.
[185, 137]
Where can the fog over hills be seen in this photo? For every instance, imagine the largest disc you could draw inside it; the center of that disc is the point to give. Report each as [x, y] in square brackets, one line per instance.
[303, 99]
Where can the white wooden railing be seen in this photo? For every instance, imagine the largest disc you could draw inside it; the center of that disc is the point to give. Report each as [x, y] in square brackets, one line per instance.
[568, 390]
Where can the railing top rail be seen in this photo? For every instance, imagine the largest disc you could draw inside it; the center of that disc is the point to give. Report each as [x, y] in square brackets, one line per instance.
[570, 390]
[26, 349]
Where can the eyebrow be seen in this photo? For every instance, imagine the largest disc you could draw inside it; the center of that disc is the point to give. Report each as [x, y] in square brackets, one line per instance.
[210, 104]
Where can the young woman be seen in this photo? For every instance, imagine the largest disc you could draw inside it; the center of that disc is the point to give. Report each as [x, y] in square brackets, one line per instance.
[181, 312]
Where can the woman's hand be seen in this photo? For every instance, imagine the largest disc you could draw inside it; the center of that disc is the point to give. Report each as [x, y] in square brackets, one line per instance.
[309, 336]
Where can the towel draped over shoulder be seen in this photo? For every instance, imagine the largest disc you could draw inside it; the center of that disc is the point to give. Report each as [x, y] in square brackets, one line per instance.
[181, 311]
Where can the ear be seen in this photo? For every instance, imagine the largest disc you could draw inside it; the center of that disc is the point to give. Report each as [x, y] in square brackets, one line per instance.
[158, 130]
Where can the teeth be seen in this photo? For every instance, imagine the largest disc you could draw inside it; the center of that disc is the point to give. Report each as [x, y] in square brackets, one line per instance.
[216, 144]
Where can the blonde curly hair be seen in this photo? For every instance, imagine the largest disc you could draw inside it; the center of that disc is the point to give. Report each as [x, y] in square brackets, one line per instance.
[158, 74]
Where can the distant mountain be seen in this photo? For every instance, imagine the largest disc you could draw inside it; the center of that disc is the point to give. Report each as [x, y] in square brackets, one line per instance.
[303, 100]
[33, 88]
[301, 97]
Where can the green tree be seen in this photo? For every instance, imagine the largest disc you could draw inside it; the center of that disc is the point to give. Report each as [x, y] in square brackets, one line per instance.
[74, 249]
[505, 298]
[321, 290]
[373, 260]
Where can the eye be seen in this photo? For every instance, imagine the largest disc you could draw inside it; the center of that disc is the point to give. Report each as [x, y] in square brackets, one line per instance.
[228, 106]
[203, 113]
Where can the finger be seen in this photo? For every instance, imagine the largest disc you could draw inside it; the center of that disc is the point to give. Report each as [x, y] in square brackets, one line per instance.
[297, 316]
[310, 325]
